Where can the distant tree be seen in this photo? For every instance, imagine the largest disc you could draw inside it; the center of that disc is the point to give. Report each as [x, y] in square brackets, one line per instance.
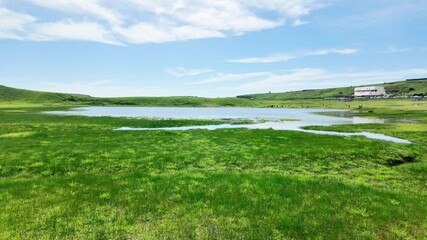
[411, 89]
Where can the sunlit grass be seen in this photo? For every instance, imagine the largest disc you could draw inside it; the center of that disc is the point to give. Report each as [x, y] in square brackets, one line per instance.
[72, 177]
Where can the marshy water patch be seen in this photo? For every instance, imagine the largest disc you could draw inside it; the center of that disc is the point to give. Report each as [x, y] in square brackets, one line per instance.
[293, 119]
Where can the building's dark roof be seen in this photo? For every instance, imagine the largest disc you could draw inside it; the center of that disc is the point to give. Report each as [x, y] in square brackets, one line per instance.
[417, 79]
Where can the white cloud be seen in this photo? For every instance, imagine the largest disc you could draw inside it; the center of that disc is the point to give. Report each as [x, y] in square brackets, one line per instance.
[288, 56]
[228, 77]
[12, 24]
[292, 8]
[233, 84]
[149, 33]
[143, 21]
[299, 22]
[393, 49]
[102, 88]
[70, 30]
[312, 78]
[185, 72]
[81, 7]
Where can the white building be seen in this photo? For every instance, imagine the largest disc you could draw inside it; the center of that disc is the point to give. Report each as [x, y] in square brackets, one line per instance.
[371, 91]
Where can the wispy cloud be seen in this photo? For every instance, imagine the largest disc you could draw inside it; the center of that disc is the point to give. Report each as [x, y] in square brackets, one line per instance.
[393, 49]
[101, 88]
[298, 79]
[70, 30]
[281, 57]
[13, 24]
[233, 84]
[229, 77]
[185, 72]
[299, 22]
[138, 22]
[311, 78]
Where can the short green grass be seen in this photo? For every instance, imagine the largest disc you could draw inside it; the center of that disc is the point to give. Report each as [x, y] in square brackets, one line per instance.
[70, 177]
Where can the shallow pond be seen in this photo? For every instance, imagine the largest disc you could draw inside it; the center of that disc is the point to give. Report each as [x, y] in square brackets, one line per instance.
[265, 118]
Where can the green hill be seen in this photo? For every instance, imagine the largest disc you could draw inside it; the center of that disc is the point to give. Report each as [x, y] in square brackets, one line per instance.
[13, 95]
[400, 88]
[8, 94]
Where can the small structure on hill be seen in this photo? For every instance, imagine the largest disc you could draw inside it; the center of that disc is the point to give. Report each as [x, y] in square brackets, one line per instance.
[368, 92]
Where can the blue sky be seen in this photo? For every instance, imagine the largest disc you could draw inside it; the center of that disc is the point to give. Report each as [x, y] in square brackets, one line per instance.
[212, 48]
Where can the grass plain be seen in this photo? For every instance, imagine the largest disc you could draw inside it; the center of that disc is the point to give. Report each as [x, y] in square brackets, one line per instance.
[69, 177]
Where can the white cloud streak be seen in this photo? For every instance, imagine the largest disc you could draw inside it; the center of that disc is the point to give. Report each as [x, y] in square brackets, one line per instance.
[141, 21]
[102, 88]
[299, 22]
[233, 84]
[12, 24]
[313, 78]
[82, 8]
[70, 30]
[185, 72]
[228, 77]
[281, 57]
[393, 49]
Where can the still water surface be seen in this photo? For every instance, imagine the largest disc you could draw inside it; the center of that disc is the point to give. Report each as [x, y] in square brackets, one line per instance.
[272, 118]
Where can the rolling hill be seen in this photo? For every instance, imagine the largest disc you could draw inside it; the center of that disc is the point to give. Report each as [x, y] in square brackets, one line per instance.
[8, 94]
[401, 88]
[12, 95]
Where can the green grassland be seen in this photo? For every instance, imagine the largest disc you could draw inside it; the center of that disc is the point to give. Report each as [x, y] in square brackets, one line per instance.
[70, 177]
[73, 177]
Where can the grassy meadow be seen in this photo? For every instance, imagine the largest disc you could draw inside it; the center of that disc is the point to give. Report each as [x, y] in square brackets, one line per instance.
[70, 177]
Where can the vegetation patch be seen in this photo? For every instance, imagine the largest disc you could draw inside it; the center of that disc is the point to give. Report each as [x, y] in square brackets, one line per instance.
[16, 135]
[73, 177]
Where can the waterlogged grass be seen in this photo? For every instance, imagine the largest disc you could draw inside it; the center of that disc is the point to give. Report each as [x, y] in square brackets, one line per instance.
[75, 178]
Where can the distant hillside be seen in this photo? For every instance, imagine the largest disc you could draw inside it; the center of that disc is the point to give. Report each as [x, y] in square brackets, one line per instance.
[13, 95]
[8, 94]
[418, 86]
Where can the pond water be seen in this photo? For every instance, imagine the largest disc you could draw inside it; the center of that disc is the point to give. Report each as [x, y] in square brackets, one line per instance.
[265, 118]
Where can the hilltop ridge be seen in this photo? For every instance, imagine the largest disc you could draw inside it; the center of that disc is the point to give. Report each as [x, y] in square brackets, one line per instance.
[8, 94]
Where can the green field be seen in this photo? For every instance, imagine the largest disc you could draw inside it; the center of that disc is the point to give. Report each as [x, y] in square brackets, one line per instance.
[69, 177]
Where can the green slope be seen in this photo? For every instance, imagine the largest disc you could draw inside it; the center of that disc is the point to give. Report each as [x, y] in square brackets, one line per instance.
[8, 94]
[13, 95]
[182, 101]
[393, 88]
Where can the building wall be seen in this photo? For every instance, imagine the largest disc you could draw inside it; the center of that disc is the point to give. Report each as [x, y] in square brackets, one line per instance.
[372, 91]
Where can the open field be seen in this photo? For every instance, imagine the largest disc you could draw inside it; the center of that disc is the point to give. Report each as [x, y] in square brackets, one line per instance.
[71, 177]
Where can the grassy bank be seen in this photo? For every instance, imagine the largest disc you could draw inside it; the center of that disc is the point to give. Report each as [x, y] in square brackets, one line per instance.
[70, 177]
